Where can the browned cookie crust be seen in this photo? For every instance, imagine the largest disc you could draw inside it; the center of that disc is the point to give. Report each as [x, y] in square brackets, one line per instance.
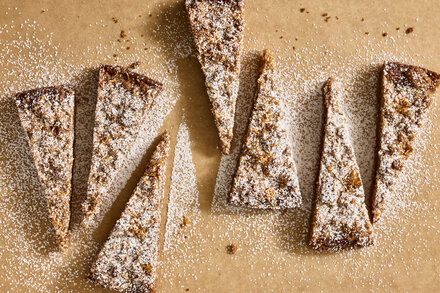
[340, 218]
[124, 98]
[217, 26]
[406, 96]
[47, 116]
[266, 176]
[129, 258]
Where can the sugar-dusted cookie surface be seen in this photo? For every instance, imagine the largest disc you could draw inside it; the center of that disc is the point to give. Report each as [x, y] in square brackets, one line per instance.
[266, 176]
[341, 217]
[217, 26]
[129, 258]
[124, 98]
[406, 96]
[47, 116]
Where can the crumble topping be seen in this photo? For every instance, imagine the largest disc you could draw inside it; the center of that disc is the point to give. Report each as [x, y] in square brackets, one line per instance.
[47, 116]
[129, 258]
[217, 27]
[266, 175]
[341, 218]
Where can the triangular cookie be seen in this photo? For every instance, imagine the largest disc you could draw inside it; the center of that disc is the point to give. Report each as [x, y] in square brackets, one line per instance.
[47, 116]
[406, 96]
[341, 217]
[124, 98]
[266, 176]
[218, 33]
[129, 258]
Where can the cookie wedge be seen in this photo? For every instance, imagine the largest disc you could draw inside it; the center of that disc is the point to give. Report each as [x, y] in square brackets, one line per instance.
[124, 98]
[217, 26]
[266, 177]
[406, 96]
[341, 219]
[129, 258]
[47, 116]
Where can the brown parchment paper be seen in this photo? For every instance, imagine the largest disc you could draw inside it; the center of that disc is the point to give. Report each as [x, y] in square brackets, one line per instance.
[85, 30]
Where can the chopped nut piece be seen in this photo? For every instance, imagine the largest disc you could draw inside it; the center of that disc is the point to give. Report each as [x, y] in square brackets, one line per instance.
[185, 221]
[231, 249]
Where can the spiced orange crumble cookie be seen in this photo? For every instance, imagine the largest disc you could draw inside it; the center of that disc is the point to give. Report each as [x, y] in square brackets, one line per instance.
[406, 96]
[341, 217]
[47, 116]
[217, 26]
[124, 98]
[266, 176]
[129, 258]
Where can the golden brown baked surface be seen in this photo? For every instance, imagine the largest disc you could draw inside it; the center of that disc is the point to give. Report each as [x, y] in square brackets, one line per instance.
[124, 98]
[406, 96]
[217, 27]
[340, 218]
[129, 258]
[266, 176]
[47, 116]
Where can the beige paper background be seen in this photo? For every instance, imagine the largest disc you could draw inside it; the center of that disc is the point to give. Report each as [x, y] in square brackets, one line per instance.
[82, 33]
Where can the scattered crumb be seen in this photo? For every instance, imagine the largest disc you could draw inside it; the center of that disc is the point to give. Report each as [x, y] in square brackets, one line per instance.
[185, 221]
[302, 10]
[115, 19]
[324, 14]
[134, 65]
[367, 33]
[409, 30]
[128, 48]
[384, 34]
[397, 28]
[294, 48]
[362, 19]
[123, 34]
[327, 18]
[43, 10]
[231, 248]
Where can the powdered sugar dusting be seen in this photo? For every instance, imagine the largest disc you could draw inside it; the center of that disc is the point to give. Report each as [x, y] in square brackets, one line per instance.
[31, 58]
[183, 207]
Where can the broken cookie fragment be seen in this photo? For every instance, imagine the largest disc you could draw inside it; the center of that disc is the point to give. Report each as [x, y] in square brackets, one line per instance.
[124, 99]
[47, 116]
[129, 258]
[217, 27]
[341, 218]
[406, 96]
[266, 176]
